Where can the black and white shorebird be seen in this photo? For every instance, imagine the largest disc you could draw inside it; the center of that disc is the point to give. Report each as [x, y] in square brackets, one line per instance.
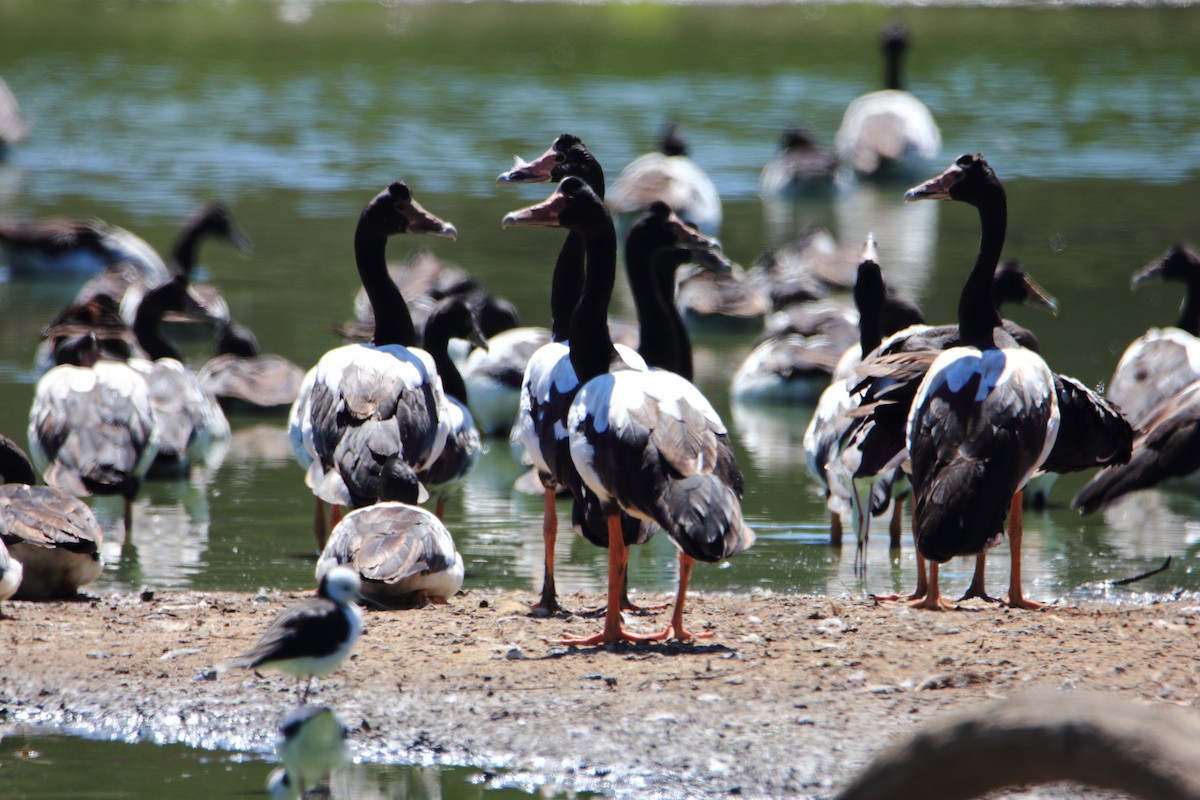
[310, 744]
[364, 402]
[645, 442]
[403, 553]
[311, 638]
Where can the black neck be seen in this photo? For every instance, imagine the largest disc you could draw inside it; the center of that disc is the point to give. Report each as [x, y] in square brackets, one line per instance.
[437, 344]
[1189, 312]
[393, 323]
[891, 67]
[977, 315]
[186, 249]
[147, 327]
[592, 350]
[659, 323]
[565, 286]
[15, 466]
[869, 302]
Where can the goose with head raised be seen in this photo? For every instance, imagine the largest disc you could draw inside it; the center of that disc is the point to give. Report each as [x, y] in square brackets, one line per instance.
[671, 176]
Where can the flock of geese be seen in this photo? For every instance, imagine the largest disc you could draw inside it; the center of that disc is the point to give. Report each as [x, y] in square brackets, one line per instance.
[959, 418]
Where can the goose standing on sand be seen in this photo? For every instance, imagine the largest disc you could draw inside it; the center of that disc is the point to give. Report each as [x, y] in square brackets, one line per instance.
[1162, 361]
[53, 535]
[92, 428]
[241, 377]
[644, 442]
[671, 176]
[403, 553]
[187, 418]
[312, 638]
[445, 476]
[985, 415]
[362, 403]
[888, 131]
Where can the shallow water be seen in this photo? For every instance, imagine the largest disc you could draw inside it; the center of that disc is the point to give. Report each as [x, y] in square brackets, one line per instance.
[296, 114]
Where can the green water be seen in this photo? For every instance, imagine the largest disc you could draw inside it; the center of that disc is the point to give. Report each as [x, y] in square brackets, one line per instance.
[297, 113]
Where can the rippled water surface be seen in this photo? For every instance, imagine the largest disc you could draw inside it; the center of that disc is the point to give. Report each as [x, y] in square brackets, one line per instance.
[296, 114]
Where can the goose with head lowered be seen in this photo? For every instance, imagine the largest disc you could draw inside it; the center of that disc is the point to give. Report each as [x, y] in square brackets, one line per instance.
[92, 426]
[52, 535]
[362, 403]
[403, 553]
[241, 377]
[644, 442]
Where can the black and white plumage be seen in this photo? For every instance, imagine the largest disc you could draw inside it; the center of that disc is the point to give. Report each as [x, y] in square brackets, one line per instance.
[11, 572]
[310, 744]
[63, 246]
[452, 318]
[404, 555]
[53, 535]
[187, 417]
[801, 167]
[1163, 361]
[311, 638]
[362, 403]
[670, 176]
[645, 443]
[92, 427]
[13, 126]
[241, 377]
[890, 130]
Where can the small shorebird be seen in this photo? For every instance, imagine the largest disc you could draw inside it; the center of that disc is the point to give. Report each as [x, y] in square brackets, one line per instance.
[310, 745]
[313, 637]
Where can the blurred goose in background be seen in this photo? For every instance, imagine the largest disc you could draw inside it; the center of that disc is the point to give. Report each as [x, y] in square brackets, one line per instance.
[622, 413]
[241, 377]
[403, 553]
[53, 535]
[889, 131]
[92, 428]
[99, 317]
[13, 127]
[445, 476]
[719, 301]
[1163, 361]
[312, 638]
[59, 247]
[671, 176]
[362, 403]
[801, 167]
[187, 418]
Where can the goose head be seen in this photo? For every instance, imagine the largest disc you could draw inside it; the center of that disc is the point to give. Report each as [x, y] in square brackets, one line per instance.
[566, 157]
[453, 318]
[1012, 284]
[573, 206]
[1179, 263]
[394, 211]
[398, 483]
[215, 219]
[660, 228]
[969, 179]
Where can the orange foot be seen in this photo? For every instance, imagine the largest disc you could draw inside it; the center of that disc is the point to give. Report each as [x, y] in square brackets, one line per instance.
[1021, 602]
[895, 598]
[682, 635]
[937, 603]
[612, 637]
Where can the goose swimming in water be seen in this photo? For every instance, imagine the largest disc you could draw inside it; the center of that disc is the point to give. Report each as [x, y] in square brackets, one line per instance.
[362, 403]
[241, 377]
[64, 246]
[669, 175]
[52, 535]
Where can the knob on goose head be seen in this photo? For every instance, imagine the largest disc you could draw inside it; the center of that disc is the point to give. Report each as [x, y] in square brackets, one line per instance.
[573, 205]
[1179, 263]
[394, 211]
[969, 179]
[566, 157]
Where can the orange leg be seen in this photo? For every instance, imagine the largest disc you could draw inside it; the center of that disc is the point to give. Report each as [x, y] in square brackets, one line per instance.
[835, 530]
[440, 509]
[618, 561]
[977, 583]
[932, 601]
[335, 516]
[897, 526]
[1016, 531]
[128, 520]
[676, 629]
[549, 600]
[320, 533]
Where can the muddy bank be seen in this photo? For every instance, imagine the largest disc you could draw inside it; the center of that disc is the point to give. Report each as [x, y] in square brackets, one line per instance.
[791, 696]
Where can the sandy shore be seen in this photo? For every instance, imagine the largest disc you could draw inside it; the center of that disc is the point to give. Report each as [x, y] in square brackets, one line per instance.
[791, 696]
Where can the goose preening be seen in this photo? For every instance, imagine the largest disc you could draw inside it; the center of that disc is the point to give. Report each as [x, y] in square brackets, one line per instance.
[310, 744]
[92, 427]
[645, 442]
[800, 167]
[719, 301]
[13, 126]
[452, 318]
[1137, 749]
[63, 246]
[888, 131]
[311, 638]
[403, 553]
[187, 418]
[1161, 362]
[52, 535]
[242, 378]
[362, 403]
[669, 175]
